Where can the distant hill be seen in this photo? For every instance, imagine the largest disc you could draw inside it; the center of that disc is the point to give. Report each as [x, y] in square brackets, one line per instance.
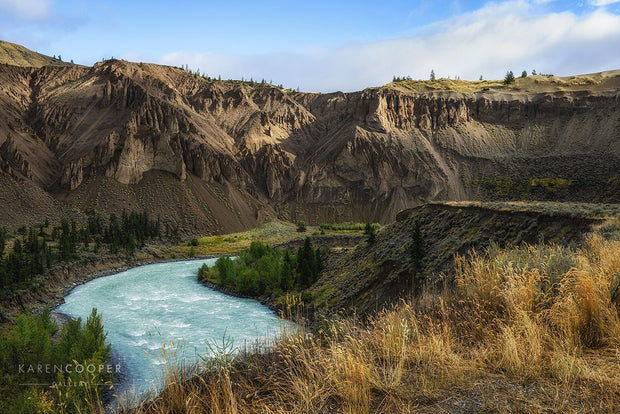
[17, 55]
[222, 156]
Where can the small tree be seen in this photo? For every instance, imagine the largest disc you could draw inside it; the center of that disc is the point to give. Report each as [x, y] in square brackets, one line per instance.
[509, 78]
[534, 72]
[417, 248]
[524, 74]
[433, 75]
[370, 232]
[2, 241]
[301, 227]
[306, 264]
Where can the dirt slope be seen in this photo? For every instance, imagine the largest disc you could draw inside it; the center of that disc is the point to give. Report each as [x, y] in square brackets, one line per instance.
[214, 156]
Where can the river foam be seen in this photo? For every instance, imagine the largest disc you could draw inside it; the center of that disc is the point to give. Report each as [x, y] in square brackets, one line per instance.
[148, 306]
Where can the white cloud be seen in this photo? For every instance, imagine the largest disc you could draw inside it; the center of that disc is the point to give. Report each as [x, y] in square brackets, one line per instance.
[490, 41]
[603, 2]
[27, 9]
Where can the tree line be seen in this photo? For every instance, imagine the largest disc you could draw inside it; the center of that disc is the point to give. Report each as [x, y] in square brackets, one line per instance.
[509, 79]
[35, 249]
[262, 270]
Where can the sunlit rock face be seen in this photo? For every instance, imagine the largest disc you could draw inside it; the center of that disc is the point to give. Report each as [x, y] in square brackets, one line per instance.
[236, 153]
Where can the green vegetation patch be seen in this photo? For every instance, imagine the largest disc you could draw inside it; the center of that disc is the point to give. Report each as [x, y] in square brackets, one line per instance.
[264, 271]
[41, 372]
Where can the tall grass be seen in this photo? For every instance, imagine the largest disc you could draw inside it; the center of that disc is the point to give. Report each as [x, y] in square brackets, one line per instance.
[533, 328]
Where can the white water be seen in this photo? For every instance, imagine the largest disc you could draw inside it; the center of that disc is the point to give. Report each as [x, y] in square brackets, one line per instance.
[147, 306]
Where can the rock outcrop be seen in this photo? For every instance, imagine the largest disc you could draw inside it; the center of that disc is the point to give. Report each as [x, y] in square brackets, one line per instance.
[242, 152]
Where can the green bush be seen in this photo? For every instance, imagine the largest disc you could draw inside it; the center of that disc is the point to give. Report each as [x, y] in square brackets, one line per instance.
[261, 270]
[29, 343]
[347, 225]
[370, 232]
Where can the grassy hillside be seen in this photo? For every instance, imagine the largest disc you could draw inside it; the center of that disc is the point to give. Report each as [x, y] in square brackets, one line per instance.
[274, 233]
[370, 275]
[528, 329]
[17, 55]
[528, 84]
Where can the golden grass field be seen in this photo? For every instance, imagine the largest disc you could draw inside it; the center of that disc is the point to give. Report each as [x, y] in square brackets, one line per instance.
[530, 84]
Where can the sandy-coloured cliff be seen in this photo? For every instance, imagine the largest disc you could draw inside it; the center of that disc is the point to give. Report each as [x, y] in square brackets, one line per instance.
[221, 155]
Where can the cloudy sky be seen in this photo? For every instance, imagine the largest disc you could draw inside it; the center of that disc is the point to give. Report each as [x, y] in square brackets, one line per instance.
[327, 45]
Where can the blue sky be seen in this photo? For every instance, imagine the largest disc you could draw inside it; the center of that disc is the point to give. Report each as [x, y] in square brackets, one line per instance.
[327, 45]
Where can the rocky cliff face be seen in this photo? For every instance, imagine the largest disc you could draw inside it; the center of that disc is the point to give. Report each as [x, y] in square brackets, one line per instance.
[226, 154]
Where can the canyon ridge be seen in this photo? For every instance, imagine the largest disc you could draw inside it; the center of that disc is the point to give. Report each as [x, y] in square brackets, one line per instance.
[220, 156]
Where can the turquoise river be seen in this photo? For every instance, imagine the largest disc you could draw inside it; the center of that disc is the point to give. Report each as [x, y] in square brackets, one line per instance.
[148, 306]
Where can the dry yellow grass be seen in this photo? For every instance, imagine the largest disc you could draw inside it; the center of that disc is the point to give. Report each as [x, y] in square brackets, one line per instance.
[529, 329]
[529, 84]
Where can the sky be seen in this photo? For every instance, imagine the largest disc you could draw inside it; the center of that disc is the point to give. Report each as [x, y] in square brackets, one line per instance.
[327, 45]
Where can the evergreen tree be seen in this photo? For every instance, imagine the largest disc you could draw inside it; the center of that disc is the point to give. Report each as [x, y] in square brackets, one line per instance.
[524, 74]
[2, 242]
[113, 234]
[130, 246]
[318, 264]
[509, 78]
[433, 75]
[370, 233]
[48, 254]
[287, 278]
[306, 263]
[66, 243]
[16, 268]
[4, 282]
[417, 248]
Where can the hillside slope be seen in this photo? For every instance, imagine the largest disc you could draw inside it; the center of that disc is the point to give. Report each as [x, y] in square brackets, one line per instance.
[228, 154]
[13, 54]
[371, 275]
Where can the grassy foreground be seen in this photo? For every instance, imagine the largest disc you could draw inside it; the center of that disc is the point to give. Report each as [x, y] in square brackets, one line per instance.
[528, 329]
